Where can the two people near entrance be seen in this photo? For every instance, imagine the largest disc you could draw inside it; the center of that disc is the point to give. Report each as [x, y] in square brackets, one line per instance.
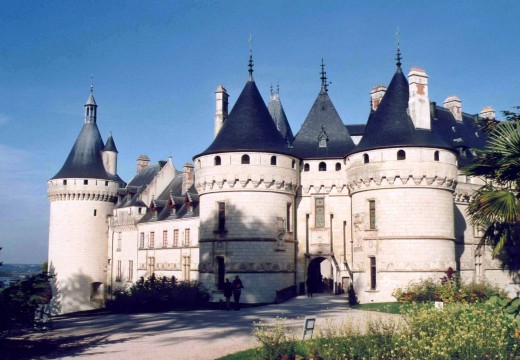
[234, 289]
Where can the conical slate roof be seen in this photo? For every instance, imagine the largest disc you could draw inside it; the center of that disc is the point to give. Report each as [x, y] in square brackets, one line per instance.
[249, 127]
[84, 160]
[322, 120]
[280, 119]
[110, 145]
[391, 126]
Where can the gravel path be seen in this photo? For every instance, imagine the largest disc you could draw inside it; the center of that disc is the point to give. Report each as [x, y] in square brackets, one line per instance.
[202, 334]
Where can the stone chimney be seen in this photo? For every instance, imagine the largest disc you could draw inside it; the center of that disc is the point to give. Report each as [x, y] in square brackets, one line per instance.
[376, 95]
[221, 111]
[487, 112]
[419, 103]
[454, 104]
[142, 162]
[188, 177]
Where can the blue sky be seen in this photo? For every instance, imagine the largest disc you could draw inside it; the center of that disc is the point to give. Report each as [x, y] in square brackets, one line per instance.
[157, 64]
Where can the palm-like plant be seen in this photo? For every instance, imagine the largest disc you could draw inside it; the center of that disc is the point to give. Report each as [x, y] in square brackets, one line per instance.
[495, 208]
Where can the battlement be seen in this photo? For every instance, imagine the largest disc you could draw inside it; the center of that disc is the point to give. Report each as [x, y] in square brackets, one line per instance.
[82, 189]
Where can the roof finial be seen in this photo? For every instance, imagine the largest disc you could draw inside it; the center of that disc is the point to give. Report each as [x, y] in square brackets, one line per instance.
[398, 58]
[271, 89]
[92, 83]
[323, 78]
[277, 88]
[251, 57]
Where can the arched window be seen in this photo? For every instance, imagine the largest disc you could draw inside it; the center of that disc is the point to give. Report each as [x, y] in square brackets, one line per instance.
[366, 159]
[294, 164]
[338, 166]
[436, 156]
[322, 166]
[198, 164]
[401, 155]
[245, 159]
[306, 167]
[273, 160]
[218, 161]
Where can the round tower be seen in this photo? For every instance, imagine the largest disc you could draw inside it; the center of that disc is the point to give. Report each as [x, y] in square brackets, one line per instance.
[82, 195]
[247, 181]
[401, 181]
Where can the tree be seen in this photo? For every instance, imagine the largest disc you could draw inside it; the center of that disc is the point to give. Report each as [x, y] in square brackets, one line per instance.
[495, 208]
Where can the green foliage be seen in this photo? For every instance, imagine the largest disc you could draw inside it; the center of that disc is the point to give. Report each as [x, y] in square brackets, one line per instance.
[277, 341]
[163, 294]
[459, 331]
[352, 297]
[495, 207]
[510, 308]
[19, 301]
[448, 289]
[386, 307]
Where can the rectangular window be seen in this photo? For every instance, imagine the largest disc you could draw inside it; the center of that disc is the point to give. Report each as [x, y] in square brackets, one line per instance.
[372, 213]
[176, 238]
[289, 216]
[85, 182]
[118, 275]
[119, 241]
[130, 270]
[141, 240]
[151, 242]
[165, 238]
[187, 237]
[319, 208]
[221, 216]
[373, 277]
[95, 212]
[151, 265]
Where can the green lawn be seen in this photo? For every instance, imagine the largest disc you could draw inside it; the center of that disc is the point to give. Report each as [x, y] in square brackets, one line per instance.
[387, 307]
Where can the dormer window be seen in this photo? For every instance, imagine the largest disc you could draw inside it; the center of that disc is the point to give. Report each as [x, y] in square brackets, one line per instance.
[245, 159]
[323, 138]
[401, 155]
[218, 161]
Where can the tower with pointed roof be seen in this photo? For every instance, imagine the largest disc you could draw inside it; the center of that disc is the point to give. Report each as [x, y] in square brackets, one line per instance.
[324, 205]
[401, 180]
[247, 181]
[82, 195]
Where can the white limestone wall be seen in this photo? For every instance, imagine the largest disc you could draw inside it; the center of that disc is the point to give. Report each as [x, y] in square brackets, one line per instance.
[333, 240]
[78, 232]
[256, 243]
[414, 233]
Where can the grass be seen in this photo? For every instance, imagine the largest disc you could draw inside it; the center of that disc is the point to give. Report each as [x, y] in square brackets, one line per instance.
[387, 307]
[241, 355]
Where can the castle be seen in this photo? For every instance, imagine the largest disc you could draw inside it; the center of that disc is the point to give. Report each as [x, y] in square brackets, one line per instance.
[375, 205]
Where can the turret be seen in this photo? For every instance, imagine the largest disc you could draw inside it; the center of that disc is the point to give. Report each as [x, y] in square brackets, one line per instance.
[82, 195]
[247, 181]
[395, 174]
[110, 156]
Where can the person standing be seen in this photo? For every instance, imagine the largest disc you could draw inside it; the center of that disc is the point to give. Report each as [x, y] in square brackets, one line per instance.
[237, 291]
[310, 287]
[228, 291]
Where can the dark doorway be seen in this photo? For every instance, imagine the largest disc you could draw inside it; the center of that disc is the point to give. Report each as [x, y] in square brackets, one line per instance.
[221, 272]
[314, 276]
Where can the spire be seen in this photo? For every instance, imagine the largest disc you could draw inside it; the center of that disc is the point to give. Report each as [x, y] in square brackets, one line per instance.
[323, 78]
[250, 57]
[398, 57]
[90, 107]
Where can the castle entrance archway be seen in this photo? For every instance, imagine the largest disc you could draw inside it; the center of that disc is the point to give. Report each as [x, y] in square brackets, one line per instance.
[319, 275]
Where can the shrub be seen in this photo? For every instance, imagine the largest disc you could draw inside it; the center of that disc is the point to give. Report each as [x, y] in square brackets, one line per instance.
[448, 289]
[459, 331]
[277, 341]
[163, 294]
